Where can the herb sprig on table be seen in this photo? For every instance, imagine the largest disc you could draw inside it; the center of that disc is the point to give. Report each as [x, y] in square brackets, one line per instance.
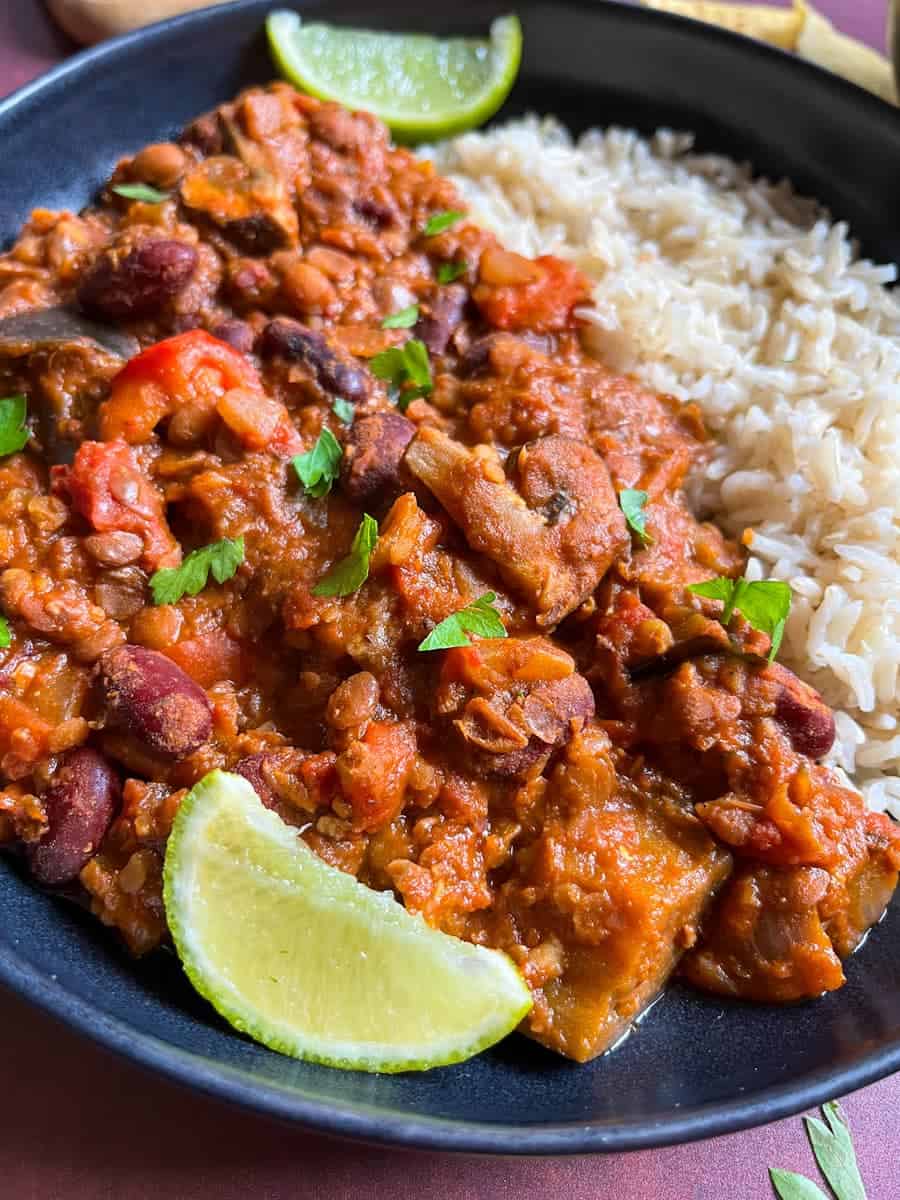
[832, 1147]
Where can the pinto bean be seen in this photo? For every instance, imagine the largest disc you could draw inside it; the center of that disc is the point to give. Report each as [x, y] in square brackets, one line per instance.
[373, 452]
[139, 283]
[353, 702]
[114, 549]
[289, 339]
[441, 317]
[152, 699]
[80, 804]
[236, 333]
[806, 718]
[161, 164]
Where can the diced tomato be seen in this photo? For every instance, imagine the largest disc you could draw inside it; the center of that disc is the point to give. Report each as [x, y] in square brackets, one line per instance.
[106, 487]
[542, 303]
[373, 773]
[24, 737]
[209, 658]
[193, 370]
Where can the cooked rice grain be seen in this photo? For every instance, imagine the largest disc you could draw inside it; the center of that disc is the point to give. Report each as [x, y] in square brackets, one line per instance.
[740, 295]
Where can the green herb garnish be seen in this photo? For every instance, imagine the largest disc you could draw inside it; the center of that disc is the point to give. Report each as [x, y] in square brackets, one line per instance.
[833, 1150]
[765, 603]
[351, 572]
[404, 319]
[222, 559]
[406, 368]
[140, 191]
[448, 272]
[632, 503]
[480, 617]
[13, 433]
[319, 468]
[441, 221]
[5, 635]
[343, 410]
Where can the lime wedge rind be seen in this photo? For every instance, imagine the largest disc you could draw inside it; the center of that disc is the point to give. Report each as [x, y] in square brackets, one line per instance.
[314, 948]
[422, 87]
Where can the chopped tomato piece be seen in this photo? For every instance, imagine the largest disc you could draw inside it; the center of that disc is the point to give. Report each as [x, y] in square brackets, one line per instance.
[191, 370]
[541, 300]
[209, 658]
[107, 487]
[373, 773]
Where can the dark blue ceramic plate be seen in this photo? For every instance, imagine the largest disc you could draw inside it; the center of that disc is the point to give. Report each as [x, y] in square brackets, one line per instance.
[695, 1067]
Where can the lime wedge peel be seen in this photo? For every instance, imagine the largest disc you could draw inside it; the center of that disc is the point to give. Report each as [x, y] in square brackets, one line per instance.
[309, 962]
[422, 87]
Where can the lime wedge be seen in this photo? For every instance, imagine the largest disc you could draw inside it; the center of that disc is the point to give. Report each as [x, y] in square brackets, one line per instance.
[422, 87]
[311, 963]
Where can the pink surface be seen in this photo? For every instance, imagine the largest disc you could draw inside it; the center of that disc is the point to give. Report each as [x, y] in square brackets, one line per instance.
[77, 1124]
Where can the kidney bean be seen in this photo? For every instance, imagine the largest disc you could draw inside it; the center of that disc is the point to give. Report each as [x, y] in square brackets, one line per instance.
[80, 804]
[236, 333]
[441, 317]
[806, 718]
[152, 699]
[139, 283]
[289, 339]
[258, 233]
[373, 452]
[206, 134]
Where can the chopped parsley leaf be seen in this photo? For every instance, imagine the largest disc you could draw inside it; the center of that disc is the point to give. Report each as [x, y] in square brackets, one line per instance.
[765, 603]
[633, 503]
[13, 432]
[480, 617]
[404, 319]
[140, 191]
[351, 572]
[318, 468]
[442, 220]
[221, 559]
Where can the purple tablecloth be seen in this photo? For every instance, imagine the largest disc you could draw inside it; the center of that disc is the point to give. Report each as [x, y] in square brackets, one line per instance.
[77, 1124]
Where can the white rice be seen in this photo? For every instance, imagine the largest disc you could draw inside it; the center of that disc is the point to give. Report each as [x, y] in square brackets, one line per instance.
[745, 298]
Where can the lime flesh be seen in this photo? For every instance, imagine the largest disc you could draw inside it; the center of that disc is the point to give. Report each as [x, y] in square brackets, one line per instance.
[422, 87]
[309, 962]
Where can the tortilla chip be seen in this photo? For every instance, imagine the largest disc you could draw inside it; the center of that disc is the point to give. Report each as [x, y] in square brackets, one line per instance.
[777, 26]
[819, 42]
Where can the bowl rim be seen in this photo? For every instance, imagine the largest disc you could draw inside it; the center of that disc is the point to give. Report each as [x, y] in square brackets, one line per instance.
[370, 1123]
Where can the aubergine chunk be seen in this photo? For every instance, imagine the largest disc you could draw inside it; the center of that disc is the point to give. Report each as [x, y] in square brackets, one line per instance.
[778, 934]
[609, 890]
[553, 527]
[765, 940]
[253, 209]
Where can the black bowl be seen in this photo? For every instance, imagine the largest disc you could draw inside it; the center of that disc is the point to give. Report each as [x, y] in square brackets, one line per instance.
[695, 1067]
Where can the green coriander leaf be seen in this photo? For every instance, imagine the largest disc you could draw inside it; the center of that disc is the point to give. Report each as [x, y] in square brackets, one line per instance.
[401, 366]
[764, 602]
[5, 635]
[440, 221]
[13, 434]
[343, 410]
[480, 617]
[140, 191]
[390, 365]
[418, 365]
[404, 319]
[632, 503]
[447, 272]
[221, 558]
[319, 468]
[833, 1148]
[791, 1186]
[351, 572]
[714, 589]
